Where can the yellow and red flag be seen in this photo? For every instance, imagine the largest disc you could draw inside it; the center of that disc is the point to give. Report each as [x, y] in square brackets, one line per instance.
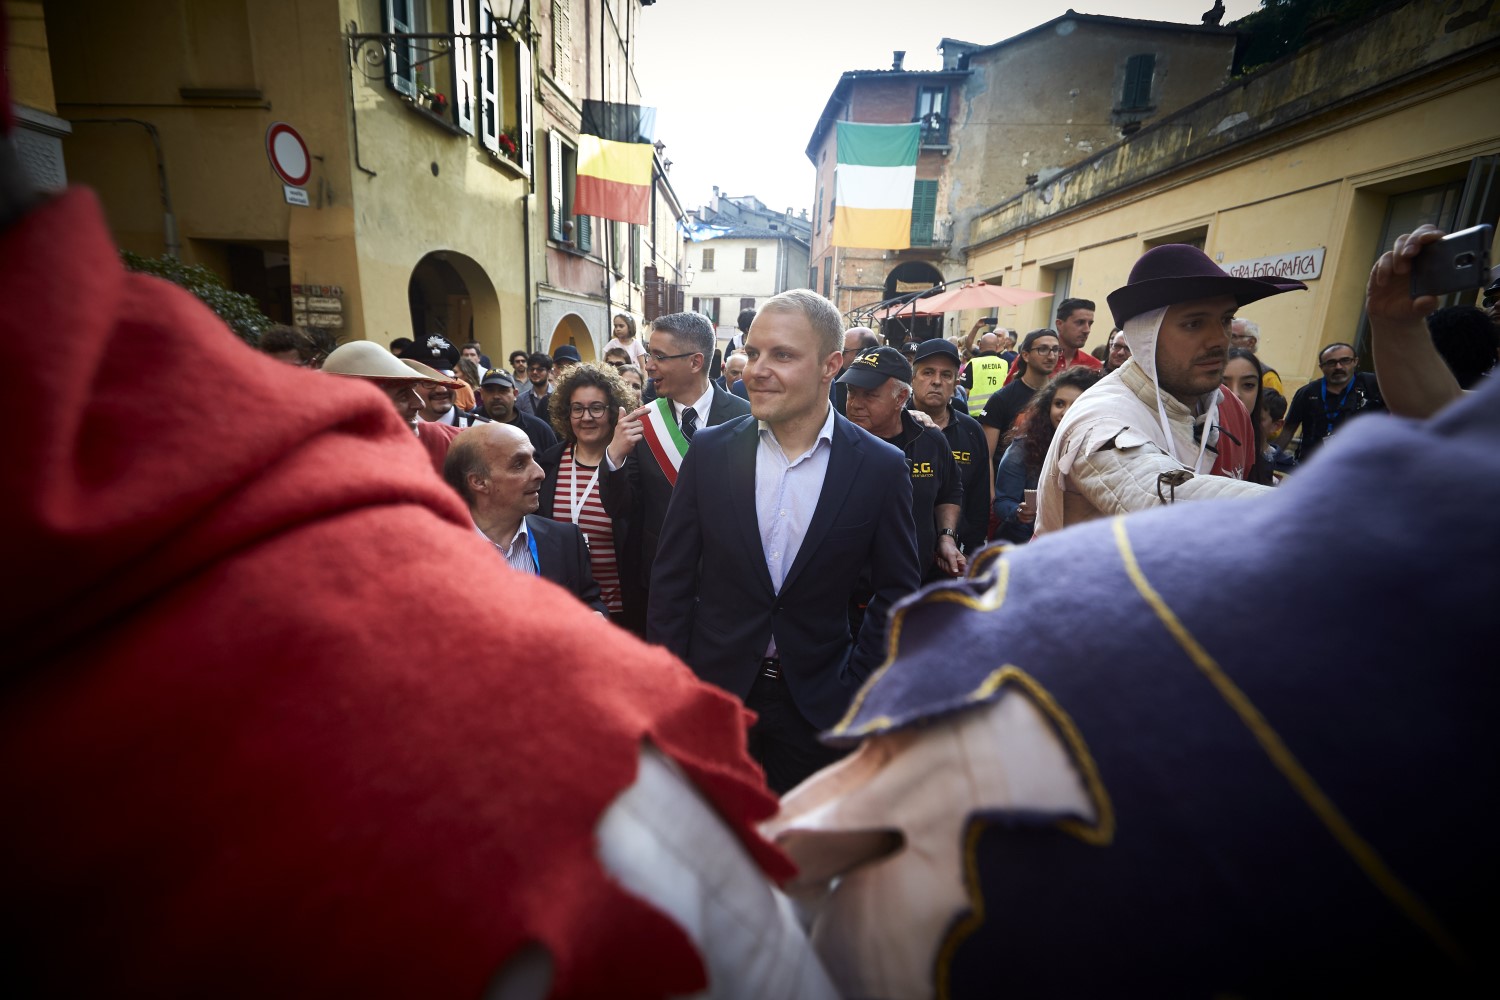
[615, 161]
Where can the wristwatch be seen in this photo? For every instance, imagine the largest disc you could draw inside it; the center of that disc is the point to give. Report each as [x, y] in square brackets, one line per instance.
[951, 533]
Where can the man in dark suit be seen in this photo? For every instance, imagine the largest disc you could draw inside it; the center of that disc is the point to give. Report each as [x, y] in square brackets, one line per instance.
[817, 509]
[493, 468]
[649, 444]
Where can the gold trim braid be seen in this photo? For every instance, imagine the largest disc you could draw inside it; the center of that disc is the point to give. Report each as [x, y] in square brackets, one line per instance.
[1101, 833]
[1281, 757]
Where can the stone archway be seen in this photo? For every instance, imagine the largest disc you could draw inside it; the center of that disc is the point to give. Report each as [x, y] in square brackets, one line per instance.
[571, 329]
[911, 276]
[450, 294]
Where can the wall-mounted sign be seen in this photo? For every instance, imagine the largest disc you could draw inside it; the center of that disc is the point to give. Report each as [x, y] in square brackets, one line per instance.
[1303, 265]
[318, 305]
[288, 154]
[295, 195]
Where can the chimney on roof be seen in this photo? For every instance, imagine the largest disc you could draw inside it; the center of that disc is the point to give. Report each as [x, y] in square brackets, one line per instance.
[897, 59]
[716, 190]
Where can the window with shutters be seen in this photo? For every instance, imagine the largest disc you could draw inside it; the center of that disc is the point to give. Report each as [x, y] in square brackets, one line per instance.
[635, 253]
[562, 44]
[461, 20]
[747, 304]
[827, 276]
[708, 307]
[708, 260]
[750, 255]
[1140, 72]
[818, 215]
[923, 210]
[441, 79]
[401, 18]
[503, 91]
[562, 178]
[812, 277]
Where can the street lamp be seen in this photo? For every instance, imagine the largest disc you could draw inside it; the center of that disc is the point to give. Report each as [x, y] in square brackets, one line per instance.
[511, 11]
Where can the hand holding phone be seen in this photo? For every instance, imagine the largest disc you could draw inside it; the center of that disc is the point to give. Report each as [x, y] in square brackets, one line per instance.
[1458, 262]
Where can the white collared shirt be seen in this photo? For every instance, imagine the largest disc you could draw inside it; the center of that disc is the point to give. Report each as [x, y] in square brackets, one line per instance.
[517, 551]
[786, 493]
[701, 405]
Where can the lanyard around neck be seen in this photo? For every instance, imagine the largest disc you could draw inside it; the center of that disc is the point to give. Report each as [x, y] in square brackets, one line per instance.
[536, 560]
[575, 499]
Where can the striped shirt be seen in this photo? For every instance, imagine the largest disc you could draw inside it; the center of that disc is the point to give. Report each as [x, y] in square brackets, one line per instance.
[573, 490]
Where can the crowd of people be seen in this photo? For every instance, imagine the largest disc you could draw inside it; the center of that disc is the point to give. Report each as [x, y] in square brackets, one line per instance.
[340, 695]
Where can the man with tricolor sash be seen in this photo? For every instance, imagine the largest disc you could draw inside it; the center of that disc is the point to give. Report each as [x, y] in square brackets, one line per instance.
[650, 443]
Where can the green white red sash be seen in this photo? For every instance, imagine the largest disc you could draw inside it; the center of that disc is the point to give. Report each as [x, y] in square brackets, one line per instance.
[664, 437]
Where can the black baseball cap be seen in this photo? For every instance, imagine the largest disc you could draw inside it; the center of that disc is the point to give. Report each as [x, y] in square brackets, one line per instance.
[874, 365]
[937, 345]
[499, 377]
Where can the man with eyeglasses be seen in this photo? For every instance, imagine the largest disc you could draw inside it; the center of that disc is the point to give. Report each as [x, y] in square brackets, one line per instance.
[1323, 407]
[1245, 334]
[650, 443]
[533, 399]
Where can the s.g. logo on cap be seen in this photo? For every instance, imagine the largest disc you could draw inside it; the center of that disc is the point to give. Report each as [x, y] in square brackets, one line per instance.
[872, 360]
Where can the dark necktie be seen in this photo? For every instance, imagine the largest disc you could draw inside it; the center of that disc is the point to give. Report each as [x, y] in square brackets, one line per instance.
[689, 422]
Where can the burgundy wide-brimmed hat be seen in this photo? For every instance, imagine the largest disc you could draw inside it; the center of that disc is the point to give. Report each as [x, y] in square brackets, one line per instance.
[1176, 272]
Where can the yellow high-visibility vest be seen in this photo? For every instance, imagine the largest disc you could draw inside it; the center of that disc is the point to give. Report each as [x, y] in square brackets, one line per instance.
[989, 373]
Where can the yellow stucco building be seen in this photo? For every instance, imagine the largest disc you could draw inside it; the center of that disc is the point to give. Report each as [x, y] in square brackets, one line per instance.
[1310, 166]
[424, 208]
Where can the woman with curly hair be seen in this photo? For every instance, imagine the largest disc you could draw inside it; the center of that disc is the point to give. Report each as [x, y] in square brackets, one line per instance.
[1029, 439]
[584, 410]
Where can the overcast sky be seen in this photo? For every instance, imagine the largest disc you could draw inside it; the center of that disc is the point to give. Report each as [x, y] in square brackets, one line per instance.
[740, 85]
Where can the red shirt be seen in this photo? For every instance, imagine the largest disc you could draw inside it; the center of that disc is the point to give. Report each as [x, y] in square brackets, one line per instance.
[1080, 358]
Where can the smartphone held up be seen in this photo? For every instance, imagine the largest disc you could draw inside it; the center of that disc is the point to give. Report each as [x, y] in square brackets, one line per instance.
[1458, 262]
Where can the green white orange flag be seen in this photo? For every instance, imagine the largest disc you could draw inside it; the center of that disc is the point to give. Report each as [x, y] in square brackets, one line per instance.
[873, 183]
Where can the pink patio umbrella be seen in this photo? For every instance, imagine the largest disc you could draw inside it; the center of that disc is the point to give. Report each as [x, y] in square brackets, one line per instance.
[899, 309]
[979, 295]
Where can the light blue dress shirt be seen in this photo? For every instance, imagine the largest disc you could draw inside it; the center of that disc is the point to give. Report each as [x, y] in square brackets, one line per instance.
[786, 494]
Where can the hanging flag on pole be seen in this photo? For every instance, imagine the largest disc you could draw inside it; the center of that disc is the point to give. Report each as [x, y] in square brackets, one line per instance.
[873, 182]
[615, 156]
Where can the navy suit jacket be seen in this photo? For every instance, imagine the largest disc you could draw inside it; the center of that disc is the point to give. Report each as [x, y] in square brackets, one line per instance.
[711, 599]
[650, 491]
[563, 557]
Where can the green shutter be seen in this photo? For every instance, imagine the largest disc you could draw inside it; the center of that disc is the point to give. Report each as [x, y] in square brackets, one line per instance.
[923, 212]
[1139, 70]
[583, 231]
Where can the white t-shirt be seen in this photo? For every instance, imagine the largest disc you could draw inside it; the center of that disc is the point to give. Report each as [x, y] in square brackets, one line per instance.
[634, 348]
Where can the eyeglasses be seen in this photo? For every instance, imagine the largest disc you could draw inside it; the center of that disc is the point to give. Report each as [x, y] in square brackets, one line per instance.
[617, 364]
[658, 358]
[595, 410]
[1336, 362]
[541, 368]
[1046, 350]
